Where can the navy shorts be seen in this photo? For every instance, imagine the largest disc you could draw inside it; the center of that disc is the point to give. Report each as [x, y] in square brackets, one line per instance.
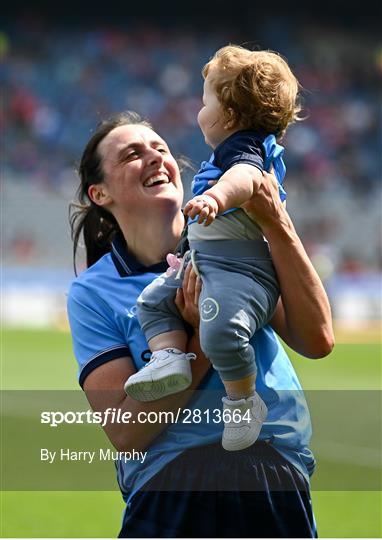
[209, 493]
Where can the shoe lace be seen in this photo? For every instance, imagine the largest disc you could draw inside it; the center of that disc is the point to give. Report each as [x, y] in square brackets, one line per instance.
[189, 356]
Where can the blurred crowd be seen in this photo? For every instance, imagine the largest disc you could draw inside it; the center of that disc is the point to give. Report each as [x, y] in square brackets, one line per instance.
[60, 81]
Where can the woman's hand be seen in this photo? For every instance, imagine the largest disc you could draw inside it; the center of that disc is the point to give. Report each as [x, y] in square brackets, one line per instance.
[265, 206]
[187, 297]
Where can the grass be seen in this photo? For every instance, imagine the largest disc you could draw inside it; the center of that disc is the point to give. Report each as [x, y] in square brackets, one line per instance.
[62, 514]
[43, 360]
[37, 359]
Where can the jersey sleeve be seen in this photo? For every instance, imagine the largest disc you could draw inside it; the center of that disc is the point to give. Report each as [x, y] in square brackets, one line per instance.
[239, 148]
[95, 335]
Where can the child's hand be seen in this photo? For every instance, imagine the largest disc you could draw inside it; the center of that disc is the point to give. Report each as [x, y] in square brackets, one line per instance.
[203, 205]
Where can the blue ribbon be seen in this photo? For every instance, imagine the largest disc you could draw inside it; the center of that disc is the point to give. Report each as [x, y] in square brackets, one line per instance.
[273, 153]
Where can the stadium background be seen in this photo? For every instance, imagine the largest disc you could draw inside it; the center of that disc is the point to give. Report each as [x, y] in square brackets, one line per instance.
[66, 69]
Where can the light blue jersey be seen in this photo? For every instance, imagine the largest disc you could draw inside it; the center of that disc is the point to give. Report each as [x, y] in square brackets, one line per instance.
[102, 315]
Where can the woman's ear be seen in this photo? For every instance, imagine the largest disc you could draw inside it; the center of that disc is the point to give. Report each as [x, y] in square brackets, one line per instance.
[99, 194]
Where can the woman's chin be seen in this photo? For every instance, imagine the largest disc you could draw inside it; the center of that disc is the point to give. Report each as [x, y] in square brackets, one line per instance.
[165, 193]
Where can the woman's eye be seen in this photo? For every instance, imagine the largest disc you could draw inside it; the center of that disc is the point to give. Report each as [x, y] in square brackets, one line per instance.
[162, 150]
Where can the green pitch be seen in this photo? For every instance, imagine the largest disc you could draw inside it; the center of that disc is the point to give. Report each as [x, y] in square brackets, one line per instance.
[43, 360]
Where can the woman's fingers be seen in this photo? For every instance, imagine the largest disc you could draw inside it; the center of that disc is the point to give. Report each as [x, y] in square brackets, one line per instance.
[192, 285]
[265, 207]
[198, 290]
[186, 276]
[179, 299]
[191, 279]
[187, 297]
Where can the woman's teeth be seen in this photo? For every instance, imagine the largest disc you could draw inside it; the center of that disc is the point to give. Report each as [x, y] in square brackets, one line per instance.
[163, 179]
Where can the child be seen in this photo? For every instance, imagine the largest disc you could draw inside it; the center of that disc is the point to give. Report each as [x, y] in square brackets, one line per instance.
[249, 99]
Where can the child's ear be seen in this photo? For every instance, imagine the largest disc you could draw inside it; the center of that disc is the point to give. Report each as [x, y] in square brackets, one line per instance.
[230, 120]
[98, 193]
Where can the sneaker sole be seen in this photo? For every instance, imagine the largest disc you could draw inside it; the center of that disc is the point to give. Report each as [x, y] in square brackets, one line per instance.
[241, 445]
[153, 390]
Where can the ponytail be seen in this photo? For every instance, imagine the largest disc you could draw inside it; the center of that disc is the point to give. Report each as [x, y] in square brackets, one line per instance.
[98, 228]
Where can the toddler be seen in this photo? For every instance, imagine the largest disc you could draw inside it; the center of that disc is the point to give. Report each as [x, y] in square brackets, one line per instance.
[249, 99]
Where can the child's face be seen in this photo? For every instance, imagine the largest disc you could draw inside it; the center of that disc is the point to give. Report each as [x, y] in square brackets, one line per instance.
[211, 116]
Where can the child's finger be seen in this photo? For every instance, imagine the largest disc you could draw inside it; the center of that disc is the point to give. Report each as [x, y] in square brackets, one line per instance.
[210, 219]
[204, 212]
[189, 210]
[195, 209]
[188, 206]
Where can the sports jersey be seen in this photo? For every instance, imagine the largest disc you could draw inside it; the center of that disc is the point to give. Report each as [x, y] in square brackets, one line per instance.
[102, 316]
[242, 147]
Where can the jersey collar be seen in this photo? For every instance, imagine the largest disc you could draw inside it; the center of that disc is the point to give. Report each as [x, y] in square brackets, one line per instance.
[125, 262]
[256, 135]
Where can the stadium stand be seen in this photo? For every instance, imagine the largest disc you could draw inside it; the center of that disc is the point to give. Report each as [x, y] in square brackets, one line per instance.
[60, 80]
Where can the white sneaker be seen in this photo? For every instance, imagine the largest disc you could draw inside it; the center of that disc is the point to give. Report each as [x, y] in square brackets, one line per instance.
[242, 421]
[168, 372]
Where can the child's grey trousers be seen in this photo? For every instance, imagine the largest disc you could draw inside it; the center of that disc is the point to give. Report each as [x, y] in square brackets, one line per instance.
[239, 296]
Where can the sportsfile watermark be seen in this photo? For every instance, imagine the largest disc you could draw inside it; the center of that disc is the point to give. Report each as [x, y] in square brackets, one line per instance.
[53, 440]
[114, 415]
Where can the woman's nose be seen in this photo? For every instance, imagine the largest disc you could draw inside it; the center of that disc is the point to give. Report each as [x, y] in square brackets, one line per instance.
[155, 156]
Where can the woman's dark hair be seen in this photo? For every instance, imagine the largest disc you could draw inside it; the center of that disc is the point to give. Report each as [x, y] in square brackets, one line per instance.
[97, 225]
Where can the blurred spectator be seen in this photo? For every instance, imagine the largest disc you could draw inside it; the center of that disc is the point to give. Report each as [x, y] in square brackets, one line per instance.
[22, 248]
[60, 82]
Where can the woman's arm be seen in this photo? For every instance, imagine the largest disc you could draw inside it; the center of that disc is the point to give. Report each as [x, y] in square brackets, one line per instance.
[104, 385]
[303, 317]
[104, 389]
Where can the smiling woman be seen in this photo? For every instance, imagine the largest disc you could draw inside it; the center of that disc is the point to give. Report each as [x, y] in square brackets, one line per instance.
[137, 167]
[140, 175]
[188, 486]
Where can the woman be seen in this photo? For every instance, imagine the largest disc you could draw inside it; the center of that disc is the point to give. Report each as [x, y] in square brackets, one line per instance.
[188, 485]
